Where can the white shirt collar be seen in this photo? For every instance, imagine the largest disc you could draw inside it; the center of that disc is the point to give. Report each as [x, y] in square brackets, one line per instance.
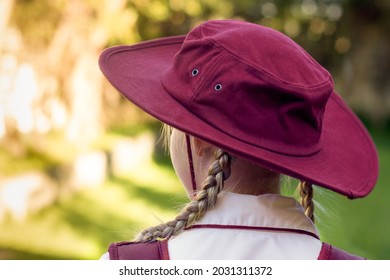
[268, 210]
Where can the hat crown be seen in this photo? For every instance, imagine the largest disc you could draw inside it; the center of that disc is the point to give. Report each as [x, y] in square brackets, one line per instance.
[268, 50]
[269, 93]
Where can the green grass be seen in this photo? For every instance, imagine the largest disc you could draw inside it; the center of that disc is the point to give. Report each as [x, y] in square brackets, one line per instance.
[34, 152]
[82, 225]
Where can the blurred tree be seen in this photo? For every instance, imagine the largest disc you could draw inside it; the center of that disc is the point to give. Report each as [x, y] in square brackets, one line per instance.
[68, 40]
[6, 7]
[76, 44]
[346, 36]
[365, 71]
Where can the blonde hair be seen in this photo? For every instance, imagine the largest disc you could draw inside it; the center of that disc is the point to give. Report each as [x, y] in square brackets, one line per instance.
[306, 193]
[206, 198]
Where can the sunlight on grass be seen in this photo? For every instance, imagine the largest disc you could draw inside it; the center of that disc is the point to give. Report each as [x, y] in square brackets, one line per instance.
[148, 195]
[81, 225]
[48, 237]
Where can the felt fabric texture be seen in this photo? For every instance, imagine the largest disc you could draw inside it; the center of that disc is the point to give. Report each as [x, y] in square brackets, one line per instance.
[253, 92]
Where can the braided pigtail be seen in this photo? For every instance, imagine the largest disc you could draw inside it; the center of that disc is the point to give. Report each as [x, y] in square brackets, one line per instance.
[306, 192]
[205, 199]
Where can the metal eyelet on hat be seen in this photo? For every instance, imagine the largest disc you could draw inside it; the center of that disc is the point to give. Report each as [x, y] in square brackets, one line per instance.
[218, 87]
[194, 72]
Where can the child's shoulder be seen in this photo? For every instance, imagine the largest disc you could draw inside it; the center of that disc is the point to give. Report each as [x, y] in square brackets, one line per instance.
[155, 250]
[329, 252]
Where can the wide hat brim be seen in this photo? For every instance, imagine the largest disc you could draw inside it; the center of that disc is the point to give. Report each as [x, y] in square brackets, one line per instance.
[346, 164]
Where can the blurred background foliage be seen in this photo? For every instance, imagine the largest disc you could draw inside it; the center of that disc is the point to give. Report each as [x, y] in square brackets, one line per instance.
[80, 167]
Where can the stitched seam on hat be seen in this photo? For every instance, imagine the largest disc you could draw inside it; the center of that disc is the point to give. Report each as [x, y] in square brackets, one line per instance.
[143, 45]
[270, 75]
[172, 40]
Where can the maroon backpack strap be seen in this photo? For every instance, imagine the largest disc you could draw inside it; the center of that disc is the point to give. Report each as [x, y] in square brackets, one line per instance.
[156, 250]
[329, 252]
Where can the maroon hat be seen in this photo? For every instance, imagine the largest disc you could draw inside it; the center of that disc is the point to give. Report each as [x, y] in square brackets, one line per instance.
[254, 92]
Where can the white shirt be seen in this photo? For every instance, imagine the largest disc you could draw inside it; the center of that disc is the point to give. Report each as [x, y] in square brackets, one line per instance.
[270, 211]
[284, 236]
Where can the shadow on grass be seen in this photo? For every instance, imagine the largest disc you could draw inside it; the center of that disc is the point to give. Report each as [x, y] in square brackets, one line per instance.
[160, 199]
[14, 254]
[101, 224]
[97, 224]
